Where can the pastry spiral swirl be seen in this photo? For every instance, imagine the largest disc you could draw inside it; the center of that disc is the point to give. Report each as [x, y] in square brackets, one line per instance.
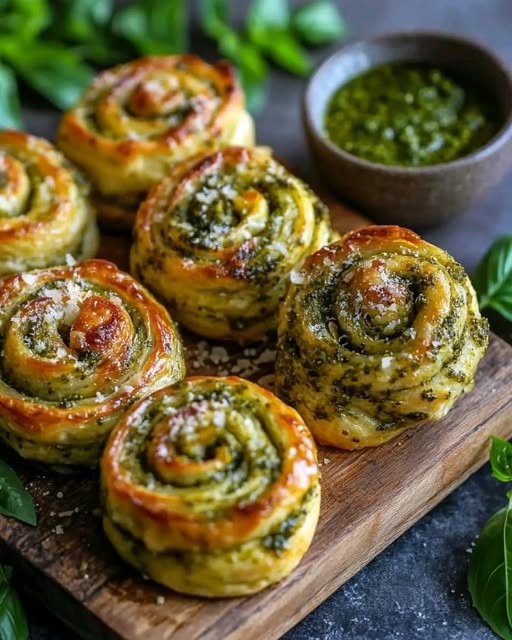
[138, 119]
[44, 211]
[217, 240]
[79, 345]
[211, 487]
[381, 331]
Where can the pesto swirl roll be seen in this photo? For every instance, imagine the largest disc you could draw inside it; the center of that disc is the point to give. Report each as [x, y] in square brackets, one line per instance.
[211, 487]
[44, 208]
[137, 120]
[381, 331]
[217, 239]
[78, 345]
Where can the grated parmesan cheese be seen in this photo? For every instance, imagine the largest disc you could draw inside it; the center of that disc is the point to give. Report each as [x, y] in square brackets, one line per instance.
[219, 419]
[297, 277]
[269, 355]
[29, 278]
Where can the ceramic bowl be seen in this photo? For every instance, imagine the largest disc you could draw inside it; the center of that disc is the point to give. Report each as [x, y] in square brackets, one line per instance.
[419, 196]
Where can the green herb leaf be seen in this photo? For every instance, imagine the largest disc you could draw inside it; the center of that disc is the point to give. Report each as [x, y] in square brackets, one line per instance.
[285, 51]
[507, 554]
[86, 24]
[251, 66]
[13, 621]
[104, 49]
[255, 92]
[15, 500]
[23, 18]
[318, 23]
[493, 278]
[154, 26]
[79, 20]
[251, 62]
[54, 71]
[5, 574]
[213, 15]
[489, 574]
[501, 459]
[268, 14]
[10, 112]
[268, 29]
[253, 73]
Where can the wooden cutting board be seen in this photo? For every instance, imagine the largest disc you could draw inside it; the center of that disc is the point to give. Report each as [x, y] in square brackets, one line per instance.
[369, 499]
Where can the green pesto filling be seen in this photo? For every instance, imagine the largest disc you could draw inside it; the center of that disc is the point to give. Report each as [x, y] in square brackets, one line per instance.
[254, 457]
[39, 338]
[169, 115]
[277, 540]
[341, 374]
[213, 218]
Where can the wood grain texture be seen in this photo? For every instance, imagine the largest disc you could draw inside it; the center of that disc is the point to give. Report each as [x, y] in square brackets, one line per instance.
[370, 497]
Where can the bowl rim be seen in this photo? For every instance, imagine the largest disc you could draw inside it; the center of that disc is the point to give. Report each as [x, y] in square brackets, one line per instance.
[488, 149]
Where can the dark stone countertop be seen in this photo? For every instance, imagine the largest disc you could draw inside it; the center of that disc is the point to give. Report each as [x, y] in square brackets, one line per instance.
[416, 589]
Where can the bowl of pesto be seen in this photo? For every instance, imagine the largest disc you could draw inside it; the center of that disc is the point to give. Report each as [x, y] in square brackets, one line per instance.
[412, 128]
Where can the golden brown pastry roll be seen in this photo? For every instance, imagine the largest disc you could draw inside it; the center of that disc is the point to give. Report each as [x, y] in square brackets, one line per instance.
[218, 237]
[211, 487]
[381, 331]
[44, 210]
[79, 345]
[137, 120]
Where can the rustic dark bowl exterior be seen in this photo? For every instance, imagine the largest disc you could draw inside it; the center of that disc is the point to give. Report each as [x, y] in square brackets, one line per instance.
[412, 196]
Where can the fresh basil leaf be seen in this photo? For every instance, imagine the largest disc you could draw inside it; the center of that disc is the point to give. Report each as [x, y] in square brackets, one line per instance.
[251, 67]
[507, 554]
[54, 71]
[253, 76]
[24, 18]
[13, 621]
[86, 24]
[10, 111]
[318, 23]
[285, 51]
[501, 459]
[489, 577]
[245, 55]
[252, 62]
[268, 14]
[79, 20]
[493, 278]
[213, 15]
[154, 26]
[268, 29]
[104, 49]
[5, 574]
[229, 44]
[15, 500]
[255, 91]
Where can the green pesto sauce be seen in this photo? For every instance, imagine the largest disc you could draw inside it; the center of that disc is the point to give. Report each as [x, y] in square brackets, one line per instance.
[410, 115]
